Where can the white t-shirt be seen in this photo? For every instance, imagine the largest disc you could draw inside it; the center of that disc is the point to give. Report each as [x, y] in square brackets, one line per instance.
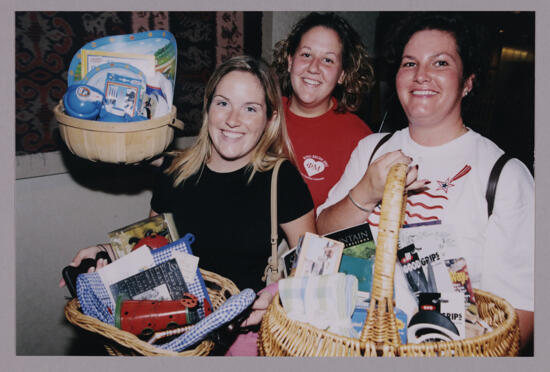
[499, 251]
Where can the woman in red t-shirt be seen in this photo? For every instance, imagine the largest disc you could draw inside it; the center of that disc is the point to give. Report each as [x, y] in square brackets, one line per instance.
[323, 70]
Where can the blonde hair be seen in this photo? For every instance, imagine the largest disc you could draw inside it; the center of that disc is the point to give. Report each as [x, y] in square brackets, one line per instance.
[274, 142]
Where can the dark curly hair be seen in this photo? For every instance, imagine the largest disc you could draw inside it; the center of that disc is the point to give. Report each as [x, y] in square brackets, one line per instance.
[468, 39]
[358, 72]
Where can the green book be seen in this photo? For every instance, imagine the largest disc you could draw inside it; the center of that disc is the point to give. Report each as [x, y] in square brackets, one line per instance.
[358, 255]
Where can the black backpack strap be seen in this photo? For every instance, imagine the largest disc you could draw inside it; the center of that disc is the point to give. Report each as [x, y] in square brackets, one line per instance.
[493, 181]
[380, 143]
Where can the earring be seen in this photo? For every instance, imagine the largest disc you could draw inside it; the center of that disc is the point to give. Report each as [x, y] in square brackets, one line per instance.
[465, 93]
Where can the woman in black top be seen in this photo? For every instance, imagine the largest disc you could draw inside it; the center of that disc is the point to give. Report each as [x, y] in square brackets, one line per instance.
[219, 188]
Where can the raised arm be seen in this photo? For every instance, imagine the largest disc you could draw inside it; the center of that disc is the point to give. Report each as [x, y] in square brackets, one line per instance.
[360, 200]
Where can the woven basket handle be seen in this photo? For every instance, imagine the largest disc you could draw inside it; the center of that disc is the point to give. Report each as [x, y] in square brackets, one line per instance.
[380, 326]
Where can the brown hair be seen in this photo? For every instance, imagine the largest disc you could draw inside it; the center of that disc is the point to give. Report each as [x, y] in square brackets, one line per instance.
[358, 72]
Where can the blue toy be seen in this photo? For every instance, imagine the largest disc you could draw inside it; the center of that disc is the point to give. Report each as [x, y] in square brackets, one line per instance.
[83, 101]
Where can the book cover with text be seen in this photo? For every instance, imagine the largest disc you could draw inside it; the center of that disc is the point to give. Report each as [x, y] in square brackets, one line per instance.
[358, 254]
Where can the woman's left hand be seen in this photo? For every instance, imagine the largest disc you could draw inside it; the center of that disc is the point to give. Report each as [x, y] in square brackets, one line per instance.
[259, 307]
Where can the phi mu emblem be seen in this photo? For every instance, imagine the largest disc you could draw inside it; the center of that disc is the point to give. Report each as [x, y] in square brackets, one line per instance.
[314, 166]
[448, 183]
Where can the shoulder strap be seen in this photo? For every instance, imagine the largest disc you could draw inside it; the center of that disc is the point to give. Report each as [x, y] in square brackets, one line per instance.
[273, 211]
[380, 143]
[493, 181]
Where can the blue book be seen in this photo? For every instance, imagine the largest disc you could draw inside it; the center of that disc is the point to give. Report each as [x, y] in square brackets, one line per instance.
[361, 268]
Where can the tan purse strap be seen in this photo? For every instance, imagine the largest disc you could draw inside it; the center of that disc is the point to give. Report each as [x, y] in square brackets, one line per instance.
[273, 210]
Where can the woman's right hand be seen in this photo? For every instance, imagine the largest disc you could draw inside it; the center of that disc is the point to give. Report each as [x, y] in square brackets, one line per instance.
[371, 187]
[88, 252]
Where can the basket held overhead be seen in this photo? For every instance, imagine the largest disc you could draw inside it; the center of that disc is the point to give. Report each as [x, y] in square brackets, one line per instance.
[282, 336]
[119, 143]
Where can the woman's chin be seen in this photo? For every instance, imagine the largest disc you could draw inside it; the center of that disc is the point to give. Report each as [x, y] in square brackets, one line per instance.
[229, 161]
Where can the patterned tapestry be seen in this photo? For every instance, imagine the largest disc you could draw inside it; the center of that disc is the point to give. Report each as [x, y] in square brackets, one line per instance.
[45, 43]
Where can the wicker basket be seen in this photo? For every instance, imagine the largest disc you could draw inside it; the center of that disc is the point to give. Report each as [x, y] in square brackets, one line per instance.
[281, 336]
[119, 342]
[120, 143]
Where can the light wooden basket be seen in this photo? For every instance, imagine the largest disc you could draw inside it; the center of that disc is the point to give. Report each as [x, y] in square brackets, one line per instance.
[119, 143]
[281, 336]
[118, 342]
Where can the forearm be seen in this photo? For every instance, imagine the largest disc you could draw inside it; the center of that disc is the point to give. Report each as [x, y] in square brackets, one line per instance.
[526, 325]
[344, 214]
[296, 228]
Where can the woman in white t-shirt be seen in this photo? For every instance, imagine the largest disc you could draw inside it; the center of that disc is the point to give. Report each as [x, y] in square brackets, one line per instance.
[449, 167]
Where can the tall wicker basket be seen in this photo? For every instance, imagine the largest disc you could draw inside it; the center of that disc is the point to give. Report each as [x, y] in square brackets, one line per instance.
[281, 336]
[119, 342]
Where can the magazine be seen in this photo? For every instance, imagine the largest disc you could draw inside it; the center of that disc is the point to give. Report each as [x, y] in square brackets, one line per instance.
[426, 247]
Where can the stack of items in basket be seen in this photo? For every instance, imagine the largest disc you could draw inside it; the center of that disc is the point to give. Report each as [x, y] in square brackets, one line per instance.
[331, 278]
[156, 292]
[123, 78]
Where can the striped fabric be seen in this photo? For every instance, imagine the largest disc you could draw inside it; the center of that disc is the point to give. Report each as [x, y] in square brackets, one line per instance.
[230, 309]
[325, 301]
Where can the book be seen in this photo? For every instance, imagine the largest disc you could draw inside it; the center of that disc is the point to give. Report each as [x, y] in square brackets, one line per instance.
[161, 282]
[318, 255]
[139, 260]
[123, 240]
[137, 277]
[357, 255]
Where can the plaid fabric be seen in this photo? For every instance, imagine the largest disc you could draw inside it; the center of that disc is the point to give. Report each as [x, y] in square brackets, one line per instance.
[231, 308]
[94, 298]
[325, 301]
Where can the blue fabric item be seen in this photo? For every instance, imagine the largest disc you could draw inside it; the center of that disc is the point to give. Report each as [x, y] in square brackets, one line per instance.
[231, 308]
[94, 298]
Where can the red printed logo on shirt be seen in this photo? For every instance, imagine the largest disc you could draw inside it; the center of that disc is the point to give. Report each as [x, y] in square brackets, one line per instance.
[448, 183]
[314, 165]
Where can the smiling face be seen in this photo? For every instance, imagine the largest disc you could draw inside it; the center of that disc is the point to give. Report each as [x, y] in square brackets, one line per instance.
[315, 69]
[236, 120]
[429, 82]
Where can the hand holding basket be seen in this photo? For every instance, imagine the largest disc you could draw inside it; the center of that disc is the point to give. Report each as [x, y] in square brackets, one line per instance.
[281, 336]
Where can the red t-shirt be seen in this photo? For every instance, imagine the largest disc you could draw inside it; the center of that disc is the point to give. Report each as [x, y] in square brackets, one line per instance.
[322, 146]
